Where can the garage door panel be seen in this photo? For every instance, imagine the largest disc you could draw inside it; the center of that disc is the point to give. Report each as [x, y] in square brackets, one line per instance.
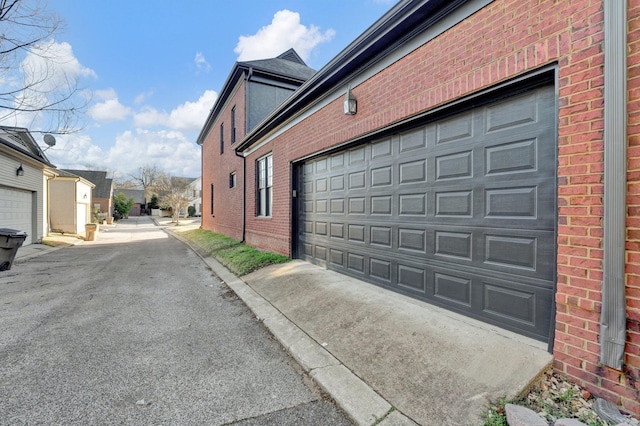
[519, 306]
[460, 212]
[16, 211]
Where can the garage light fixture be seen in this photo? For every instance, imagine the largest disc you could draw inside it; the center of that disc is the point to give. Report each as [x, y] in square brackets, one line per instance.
[20, 171]
[350, 103]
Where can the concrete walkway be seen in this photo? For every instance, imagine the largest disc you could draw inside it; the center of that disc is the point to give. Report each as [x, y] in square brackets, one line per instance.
[385, 358]
[382, 356]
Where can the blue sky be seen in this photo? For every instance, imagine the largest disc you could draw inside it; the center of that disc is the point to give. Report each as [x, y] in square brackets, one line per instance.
[152, 69]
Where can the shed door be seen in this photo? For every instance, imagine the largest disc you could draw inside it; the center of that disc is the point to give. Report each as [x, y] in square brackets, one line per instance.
[459, 212]
[16, 211]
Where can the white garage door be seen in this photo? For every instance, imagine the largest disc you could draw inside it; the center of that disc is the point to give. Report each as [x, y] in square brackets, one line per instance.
[16, 211]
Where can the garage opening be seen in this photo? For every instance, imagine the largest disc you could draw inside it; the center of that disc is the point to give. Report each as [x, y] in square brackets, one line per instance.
[459, 212]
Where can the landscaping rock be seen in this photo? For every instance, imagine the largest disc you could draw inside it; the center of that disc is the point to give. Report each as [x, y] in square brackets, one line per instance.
[568, 422]
[521, 416]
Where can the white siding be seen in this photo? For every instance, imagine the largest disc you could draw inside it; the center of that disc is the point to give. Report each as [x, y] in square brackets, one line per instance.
[31, 181]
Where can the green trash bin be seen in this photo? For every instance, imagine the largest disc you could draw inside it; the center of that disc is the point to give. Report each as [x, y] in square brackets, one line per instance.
[10, 241]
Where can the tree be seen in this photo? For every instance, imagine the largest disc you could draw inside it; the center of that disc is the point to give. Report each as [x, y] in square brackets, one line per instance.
[37, 82]
[149, 178]
[174, 192]
[153, 204]
[121, 205]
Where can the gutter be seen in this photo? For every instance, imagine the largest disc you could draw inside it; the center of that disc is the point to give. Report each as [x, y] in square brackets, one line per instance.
[613, 316]
[406, 19]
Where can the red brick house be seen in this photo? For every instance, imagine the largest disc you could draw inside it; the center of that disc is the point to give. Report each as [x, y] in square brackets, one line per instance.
[490, 166]
[252, 91]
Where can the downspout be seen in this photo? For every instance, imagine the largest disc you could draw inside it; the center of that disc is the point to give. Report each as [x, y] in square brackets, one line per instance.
[244, 194]
[244, 159]
[49, 205]
[75, 205]
[613, 316]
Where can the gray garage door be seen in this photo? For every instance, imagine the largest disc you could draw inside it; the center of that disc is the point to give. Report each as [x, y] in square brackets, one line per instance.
[459, 212]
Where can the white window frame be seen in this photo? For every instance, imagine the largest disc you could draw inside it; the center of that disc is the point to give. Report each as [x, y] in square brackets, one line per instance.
[264, 186]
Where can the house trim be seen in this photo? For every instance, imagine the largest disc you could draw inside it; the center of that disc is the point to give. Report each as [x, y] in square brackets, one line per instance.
[520, 84]
[392, 37]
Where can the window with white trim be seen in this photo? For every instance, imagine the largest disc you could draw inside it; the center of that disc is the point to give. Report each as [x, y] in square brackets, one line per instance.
[264, 174]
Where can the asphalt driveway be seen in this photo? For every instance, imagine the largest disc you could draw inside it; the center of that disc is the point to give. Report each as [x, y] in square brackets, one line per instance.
[135, 329]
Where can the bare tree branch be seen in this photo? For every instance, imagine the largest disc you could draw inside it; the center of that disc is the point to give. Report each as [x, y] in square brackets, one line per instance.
[35, 82]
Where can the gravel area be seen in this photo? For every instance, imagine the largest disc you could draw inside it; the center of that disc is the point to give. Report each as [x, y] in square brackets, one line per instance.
[553, 398]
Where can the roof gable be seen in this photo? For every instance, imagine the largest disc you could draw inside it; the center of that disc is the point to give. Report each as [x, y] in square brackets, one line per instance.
[103, 185]
[403, 22]
[20, 140]
[287, 68]
[291, 55]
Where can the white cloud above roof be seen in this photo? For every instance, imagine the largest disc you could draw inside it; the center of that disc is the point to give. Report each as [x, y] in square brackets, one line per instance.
[283, 33]
[185, 117]
[108, 111]
[201, 62]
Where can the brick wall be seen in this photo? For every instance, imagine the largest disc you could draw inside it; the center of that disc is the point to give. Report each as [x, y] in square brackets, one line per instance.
[270, 233]
[216, 169]
[506, 39]
[631, 375]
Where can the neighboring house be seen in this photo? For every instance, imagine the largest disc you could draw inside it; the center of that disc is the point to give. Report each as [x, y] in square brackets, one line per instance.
[70, 206]
[139, 202]
[195, 194]
[252, 91]
[24, 171]
[102, 194]
[489, 167]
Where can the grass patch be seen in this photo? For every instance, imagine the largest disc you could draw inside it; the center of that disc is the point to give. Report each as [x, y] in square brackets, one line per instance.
[53, 243]
[239, 258]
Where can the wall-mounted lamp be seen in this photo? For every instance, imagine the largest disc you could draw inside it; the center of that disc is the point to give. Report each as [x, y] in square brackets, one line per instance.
[20, 171]
[350, 103]
[85, 196]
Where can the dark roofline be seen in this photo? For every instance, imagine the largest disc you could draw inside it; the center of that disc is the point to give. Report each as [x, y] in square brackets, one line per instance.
[401, 23]
[37, 154]
[251, 68]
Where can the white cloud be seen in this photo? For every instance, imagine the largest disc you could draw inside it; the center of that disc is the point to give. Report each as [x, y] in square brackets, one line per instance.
[191, 115]
[106, 94]
[171, 151]
[185, 117]
[150, 117]
[142, 97]
[52, 64]
[201, 62]
[75, 151]
[109, 111]
[284, 32]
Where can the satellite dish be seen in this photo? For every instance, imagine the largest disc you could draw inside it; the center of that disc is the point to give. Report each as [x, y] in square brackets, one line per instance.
[49, 140]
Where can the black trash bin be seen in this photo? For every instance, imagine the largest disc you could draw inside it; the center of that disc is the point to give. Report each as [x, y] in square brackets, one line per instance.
[10, 241]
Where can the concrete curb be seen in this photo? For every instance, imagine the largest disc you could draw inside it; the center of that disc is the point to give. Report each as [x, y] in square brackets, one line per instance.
[32, 251]
[355, 397]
